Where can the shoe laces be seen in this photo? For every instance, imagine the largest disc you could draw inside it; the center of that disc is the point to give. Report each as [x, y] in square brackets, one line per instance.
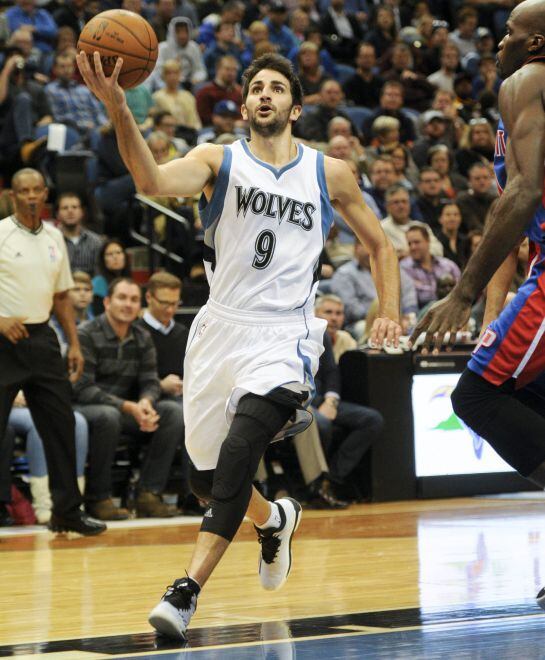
[179, 594]
[269, 544]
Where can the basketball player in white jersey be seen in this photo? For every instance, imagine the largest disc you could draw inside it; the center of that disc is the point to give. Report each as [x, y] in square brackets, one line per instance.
[254, 348]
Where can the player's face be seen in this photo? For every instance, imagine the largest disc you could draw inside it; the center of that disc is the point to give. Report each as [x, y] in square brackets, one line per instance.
[333, 313]
[513, 48]
[269, 105]
[124, 303]
[163, 304]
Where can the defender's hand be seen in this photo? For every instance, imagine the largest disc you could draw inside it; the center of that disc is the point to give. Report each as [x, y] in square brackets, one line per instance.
[447, 315]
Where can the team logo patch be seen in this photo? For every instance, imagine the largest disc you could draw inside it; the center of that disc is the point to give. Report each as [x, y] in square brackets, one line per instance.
[487, 340]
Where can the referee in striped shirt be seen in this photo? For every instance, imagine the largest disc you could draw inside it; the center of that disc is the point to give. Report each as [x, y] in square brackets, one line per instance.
[34, 279]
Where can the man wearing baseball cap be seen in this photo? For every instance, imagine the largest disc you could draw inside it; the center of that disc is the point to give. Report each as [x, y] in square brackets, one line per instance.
[434, 126]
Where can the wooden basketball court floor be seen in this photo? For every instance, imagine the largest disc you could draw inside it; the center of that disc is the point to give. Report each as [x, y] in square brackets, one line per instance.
[426, 579]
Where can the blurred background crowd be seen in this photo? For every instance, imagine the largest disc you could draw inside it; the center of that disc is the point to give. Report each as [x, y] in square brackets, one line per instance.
[405, 91]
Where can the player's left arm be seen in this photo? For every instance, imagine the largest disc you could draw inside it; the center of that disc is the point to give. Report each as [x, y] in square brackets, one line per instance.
[346, 197]
[522, 107]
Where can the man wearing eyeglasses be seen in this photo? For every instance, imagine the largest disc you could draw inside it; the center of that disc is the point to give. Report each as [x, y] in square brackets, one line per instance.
[170, 340]
[170, 337]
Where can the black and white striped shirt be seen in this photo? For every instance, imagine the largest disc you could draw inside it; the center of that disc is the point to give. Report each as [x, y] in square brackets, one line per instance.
[83, 252]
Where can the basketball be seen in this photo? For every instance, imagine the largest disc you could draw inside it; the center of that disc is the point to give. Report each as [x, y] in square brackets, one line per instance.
[120, 33]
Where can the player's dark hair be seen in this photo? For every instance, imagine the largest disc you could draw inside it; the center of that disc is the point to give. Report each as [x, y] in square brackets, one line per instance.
[278, 63]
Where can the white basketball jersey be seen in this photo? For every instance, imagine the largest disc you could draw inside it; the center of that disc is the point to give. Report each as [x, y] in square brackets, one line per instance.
[265, 229]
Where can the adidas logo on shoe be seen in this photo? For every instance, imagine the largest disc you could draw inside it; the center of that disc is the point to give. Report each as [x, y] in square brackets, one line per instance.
[178, 604]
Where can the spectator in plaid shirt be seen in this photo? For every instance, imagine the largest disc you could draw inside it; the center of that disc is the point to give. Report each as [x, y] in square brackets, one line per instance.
[82, 244]
[119, 392]
[72, 103]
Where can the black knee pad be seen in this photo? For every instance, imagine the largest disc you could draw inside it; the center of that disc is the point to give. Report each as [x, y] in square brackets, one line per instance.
[200, 482]
[255, 424]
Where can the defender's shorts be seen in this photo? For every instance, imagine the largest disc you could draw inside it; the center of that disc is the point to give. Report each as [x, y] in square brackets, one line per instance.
[231, 353]
[513, 345]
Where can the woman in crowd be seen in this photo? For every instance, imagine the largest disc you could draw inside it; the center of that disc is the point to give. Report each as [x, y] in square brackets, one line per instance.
[311, 72]
[384, 34]
[113, 262]
[405, 167]
[456, 246]
[476, 146]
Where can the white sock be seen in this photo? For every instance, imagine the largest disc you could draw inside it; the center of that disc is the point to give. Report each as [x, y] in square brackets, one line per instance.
[274, 519]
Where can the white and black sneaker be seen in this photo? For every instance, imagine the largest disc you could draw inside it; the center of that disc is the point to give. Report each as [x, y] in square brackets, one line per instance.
[275, 558]
[173, 613]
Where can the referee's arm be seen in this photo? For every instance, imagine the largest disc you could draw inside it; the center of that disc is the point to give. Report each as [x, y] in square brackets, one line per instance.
[64, 312]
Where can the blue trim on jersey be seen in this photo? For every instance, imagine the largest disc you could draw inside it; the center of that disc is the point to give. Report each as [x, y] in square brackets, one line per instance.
[211, 210]
[307, 370]
[327, 211]
[277, 172]
[480, 360]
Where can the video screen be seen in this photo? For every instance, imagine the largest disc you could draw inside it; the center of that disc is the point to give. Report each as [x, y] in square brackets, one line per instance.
[443, 444]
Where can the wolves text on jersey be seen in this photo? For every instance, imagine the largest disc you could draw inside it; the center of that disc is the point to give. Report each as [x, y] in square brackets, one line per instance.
[271, 205]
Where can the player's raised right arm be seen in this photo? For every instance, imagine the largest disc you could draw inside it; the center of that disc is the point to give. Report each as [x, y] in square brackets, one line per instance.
[180, 178]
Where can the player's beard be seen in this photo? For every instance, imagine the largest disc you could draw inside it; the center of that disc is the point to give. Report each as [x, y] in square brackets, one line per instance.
[271, 128]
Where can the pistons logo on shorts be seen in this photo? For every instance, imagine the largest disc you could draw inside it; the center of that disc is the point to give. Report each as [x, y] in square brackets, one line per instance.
[203, 327]
[488, 338]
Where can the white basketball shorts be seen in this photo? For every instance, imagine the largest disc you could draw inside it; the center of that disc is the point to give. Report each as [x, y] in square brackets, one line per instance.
[231, 353]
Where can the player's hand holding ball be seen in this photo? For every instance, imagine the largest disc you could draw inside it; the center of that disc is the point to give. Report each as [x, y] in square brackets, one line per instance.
[117, 49]
[105, 89]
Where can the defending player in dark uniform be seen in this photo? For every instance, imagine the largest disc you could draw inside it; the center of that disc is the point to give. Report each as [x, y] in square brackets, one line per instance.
[500, 395]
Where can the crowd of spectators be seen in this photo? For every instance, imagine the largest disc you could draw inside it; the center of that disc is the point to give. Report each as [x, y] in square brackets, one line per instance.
[405, 91]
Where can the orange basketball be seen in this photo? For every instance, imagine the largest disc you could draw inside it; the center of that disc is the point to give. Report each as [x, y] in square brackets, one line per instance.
[120, 33]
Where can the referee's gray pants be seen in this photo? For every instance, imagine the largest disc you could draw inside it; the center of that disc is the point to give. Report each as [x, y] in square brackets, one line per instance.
[35, 366]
